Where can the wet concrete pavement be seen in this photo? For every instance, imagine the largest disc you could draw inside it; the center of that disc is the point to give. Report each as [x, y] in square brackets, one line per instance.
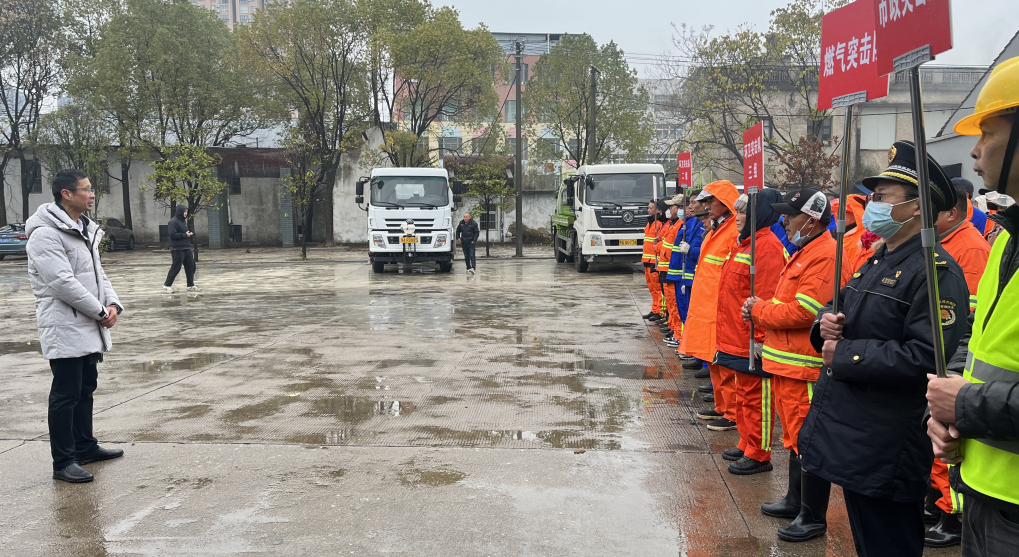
[306, 408]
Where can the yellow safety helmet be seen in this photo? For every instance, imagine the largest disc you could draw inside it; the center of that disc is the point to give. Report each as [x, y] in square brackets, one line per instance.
[1000, 93]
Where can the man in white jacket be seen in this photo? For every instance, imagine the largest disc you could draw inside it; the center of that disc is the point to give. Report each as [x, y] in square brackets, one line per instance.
[76, 307]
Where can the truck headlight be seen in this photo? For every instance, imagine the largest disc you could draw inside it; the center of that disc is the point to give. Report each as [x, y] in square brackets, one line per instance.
[596, 240]
[440, 240]
[379, 240]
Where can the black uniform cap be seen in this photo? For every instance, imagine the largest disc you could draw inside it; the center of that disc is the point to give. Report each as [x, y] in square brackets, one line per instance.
[902, 169]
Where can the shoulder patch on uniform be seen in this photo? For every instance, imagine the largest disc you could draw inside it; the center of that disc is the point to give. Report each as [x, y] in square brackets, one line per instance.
[948, 314]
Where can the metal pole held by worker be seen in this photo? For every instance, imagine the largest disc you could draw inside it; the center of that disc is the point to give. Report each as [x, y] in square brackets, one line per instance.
[840, 221]
[752, 221]
[928, 233]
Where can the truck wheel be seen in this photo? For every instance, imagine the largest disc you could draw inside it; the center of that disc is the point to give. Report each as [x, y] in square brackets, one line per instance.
[445, 266]
[569, 256]
[579, 261]
[560, 255]
[378, 266]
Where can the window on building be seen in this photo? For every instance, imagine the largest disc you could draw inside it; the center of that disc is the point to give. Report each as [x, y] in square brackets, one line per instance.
[31, 176]
[451, 111]
[235, 233]
[245, 19]
[768, 127]
[877, 131]
[488, 220]
[423, 145]
[823, 129]
[235, 185]
[243, 9]
[511, 147]
[574, 149]
[449, 145]
[549, 147]
[511, 112]
[513, 71]
[667, 132]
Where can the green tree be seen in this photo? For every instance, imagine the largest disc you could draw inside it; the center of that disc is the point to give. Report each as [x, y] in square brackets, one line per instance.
[184, 175]
[442, 72]
[488, 185]
[76, 136]
[30, 47]
[731, 82]
[310, 55]
[558, 96]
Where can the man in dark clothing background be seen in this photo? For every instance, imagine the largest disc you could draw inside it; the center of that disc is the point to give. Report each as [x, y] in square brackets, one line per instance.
[864, 430]
[467, 233]
[180, 250]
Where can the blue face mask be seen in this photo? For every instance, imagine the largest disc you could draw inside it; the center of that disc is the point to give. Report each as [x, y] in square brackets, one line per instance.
[680, 214]
[878, 218]
[799, 239]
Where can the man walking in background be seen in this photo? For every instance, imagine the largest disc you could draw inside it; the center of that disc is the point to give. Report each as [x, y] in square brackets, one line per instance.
[76, 307]
[467, 233]
[180, 250]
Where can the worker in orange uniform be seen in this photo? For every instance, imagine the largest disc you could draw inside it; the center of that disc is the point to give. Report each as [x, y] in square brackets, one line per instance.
[969, 249]
[754, 400]
[852, 247]
[804, 288]
[699, 341]
[673, 325]
[650, 261]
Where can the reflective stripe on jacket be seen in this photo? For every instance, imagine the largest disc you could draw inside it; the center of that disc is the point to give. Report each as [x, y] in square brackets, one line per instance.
[804, 288]
[699, 341]
[682, 266]
[970, 250]
[989, 466]
[650, 230]
[665, 247]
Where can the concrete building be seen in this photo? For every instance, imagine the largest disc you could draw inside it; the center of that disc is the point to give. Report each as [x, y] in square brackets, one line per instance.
[233, 12]
[952, 150]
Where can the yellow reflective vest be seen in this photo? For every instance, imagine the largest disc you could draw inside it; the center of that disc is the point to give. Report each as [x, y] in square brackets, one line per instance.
[990, 466]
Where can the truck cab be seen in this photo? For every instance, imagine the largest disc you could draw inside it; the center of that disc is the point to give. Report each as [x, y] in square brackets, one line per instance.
[410, 216]
[601, 212]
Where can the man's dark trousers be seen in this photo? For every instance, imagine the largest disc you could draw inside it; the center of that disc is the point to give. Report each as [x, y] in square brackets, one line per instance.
[883, 527]
[70, 412]
[987, 531]
[185, 258]
[469, 258]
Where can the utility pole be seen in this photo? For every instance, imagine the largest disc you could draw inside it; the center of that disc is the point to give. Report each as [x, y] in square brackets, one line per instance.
[518, 156]
[593, 113]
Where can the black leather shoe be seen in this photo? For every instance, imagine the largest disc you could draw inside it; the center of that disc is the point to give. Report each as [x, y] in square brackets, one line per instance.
[696, 364]
[655, 317]
[746, 466]
[649, 315]
[732, 454]
[101, 454]
[812, 521]
[702, 373]
[710, 397]
[788, 506]
[946, 533]
[665, 331]
[709, 414]
[705, 388]
[722, 424]
[73, 474]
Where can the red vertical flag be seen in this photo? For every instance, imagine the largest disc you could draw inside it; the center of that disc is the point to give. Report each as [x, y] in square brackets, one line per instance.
[684, 164]
[849, 60]
[753, 158]
[911, 32]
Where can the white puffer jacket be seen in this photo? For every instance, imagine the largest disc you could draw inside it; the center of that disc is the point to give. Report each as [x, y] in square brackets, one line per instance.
[71, 290]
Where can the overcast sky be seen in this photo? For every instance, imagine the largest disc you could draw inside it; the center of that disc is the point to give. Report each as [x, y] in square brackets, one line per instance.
[981, 28]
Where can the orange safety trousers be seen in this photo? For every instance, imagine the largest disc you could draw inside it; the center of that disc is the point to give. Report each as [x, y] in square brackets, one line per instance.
[792, 402]
[755, 415]
[655, 288]
[723, 380]
[670, 304]
[950, 501]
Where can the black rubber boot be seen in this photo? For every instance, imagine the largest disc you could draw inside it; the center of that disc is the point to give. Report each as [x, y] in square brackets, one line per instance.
[732, 454]
[812, 521]
[946, 533]
[789, 506]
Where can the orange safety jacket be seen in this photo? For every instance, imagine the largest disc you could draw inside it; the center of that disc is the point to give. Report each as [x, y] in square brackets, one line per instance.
[665, 247]
[804, 288]
[969, 248]
[852, 248]
[699, 340]
[734, 289]
[652, 227]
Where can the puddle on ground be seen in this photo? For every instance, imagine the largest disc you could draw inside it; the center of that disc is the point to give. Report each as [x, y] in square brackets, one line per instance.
[431, 478]
[190, 343]
[195, 362]
[417, 363]
[19, 347]
[355, 409]
[258, 410]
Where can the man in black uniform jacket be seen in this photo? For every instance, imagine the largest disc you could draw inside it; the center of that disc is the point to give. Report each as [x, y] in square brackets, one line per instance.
[865, 428]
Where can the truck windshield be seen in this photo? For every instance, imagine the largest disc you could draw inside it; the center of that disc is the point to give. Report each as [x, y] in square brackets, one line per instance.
[410, 191]
[624, 189]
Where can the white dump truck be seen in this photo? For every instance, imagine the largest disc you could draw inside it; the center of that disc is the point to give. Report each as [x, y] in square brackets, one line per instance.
[410, 216]
[601, 212]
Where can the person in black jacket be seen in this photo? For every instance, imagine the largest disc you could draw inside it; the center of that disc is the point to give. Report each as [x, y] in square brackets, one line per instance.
[180, 250]
[865, 429]
[467, 233]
